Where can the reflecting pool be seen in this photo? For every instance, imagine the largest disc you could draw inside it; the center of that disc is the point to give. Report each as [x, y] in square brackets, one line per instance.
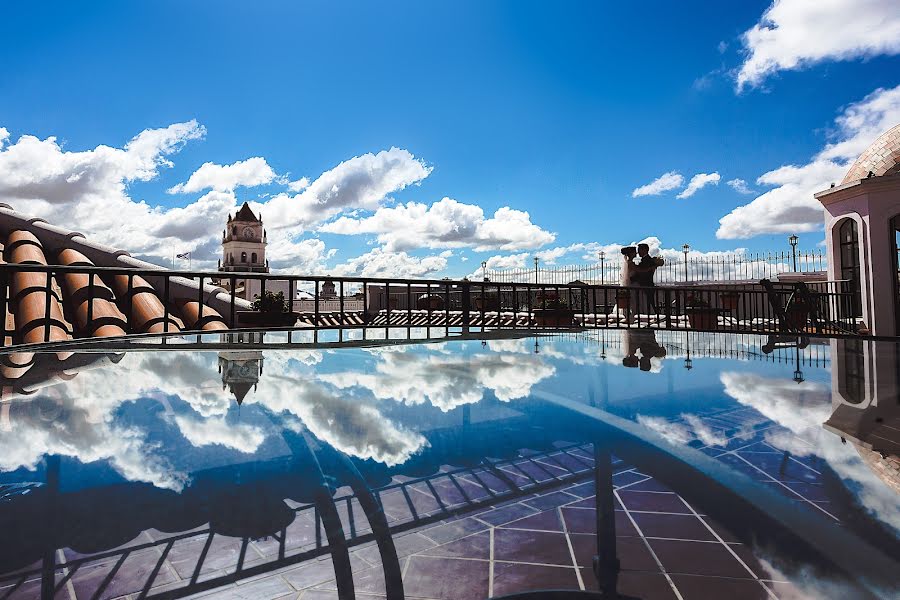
[640, 463]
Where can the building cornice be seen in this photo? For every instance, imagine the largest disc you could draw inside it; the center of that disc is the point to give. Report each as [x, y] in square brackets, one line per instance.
[855, 188]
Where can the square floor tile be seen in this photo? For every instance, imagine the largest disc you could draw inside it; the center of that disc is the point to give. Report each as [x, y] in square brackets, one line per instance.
[547, 520]
[682, 527]
[632, 553]
[692, 587]
[646, 586]
[476, 546]
[505, 514]
[510, 578]
[446, 578]
[584, 520]
[531, 546]
[698, 558]
[653, 502]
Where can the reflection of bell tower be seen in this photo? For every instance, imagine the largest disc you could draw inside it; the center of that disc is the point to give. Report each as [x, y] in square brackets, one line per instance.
[241, 369]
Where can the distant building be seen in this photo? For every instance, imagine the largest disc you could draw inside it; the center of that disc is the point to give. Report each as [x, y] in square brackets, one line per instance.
[328, 290]
[243, 251]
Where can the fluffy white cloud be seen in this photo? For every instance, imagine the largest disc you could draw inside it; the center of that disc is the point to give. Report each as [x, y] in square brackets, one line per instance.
[447, 380]
[360, 182]
[89, 191]
[445, 224]
[511, 261]
[383, 263]
[790, 207]
[32, 169]
[698, 182]
[665, 182]
[298, 185]
[793, 34]
[225, 178]
[739, 185]
[217, 431]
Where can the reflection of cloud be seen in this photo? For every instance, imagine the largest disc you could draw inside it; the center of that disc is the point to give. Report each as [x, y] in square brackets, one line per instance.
[349, 424]
[807, 584]
[802, 409]
[215, 430]
[74, 434]
[691, 428]
[447, 381]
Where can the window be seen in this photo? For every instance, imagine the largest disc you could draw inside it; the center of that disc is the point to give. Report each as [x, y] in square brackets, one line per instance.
[234, 231]
[253, 258]
[848, 244]
[243, 257]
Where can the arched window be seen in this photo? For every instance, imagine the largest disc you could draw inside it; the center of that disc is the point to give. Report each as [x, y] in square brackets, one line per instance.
[234, 230]
[253, 258]
[243, 257]
[848, 242]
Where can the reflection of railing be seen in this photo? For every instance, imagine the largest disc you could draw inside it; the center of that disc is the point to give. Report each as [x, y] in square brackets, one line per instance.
[367, 302]
[419, 502]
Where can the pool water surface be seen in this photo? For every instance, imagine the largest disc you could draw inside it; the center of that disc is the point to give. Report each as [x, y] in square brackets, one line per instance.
[650, 464]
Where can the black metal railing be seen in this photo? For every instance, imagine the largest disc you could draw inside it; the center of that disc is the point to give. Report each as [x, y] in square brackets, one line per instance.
[768, 307]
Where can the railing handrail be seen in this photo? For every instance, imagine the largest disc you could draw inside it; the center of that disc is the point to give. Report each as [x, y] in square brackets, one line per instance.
[32, 268]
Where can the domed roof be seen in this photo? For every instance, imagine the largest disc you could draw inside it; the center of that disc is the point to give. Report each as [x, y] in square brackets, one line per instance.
[881, 158]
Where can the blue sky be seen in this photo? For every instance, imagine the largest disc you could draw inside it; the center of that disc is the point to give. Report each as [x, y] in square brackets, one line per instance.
[560, 111]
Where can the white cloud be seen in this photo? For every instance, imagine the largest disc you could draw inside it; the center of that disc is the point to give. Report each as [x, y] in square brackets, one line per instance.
[4, 135]
[698, 182]
[447, 380]
[445, 224]
[89, 191]
[793, 34]
[665, 182]
[217, 431]
[510, 261]
[739, 185]
[383, 263]
[360, 182]
[790, 207]
[225, 178]
[298, 185]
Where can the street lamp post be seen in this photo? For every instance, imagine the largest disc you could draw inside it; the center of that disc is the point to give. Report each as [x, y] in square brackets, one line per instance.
[686, 248]
[536, 269]
[602, 256]
[484, 270]
[793, 242]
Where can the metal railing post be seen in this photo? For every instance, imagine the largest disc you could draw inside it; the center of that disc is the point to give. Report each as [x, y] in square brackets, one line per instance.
[465, 305]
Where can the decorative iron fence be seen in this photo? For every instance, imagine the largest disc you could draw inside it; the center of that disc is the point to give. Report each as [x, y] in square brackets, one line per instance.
[104, 301]
[678, 269]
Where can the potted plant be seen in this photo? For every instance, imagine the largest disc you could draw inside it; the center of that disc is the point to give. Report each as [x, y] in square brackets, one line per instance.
[269, 310]
[700, 314]
[730, 299]
[623, 297]
[554, 313]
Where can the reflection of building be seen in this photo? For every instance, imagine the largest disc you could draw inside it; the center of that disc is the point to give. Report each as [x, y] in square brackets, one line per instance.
[241, 369]
[862, 227]
[865, 384]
